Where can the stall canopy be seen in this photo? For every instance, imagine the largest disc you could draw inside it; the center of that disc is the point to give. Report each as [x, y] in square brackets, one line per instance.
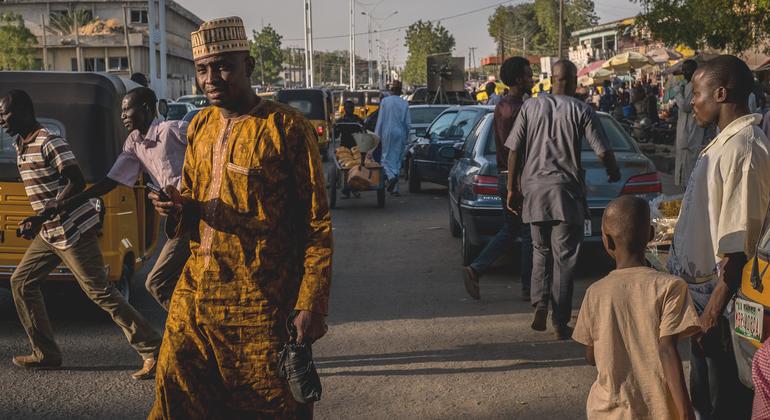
[663, 55]
[591, 67]
[627, 61]
[699, 58]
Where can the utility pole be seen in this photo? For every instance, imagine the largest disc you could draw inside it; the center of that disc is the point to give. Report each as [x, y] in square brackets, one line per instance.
[310, 33]
[308, 43]
[163, 47]
[352, 45]
[561, 29]
[369, 52]
[125, 38]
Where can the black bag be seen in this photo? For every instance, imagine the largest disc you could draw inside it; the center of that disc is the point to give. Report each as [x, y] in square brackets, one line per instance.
[297, 367]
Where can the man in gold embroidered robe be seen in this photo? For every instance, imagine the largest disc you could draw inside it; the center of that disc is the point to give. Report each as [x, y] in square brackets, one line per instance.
[253, 197]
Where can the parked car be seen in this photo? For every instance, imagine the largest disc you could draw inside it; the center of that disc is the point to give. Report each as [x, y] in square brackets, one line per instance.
[315, 104]
[450, 128]
[750, 323]
[475, 207]
[421, 117]
[190, 115]
[366, 102]
[177, 110]
[198, 101]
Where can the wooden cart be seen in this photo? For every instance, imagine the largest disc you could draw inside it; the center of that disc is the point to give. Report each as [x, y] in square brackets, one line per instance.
[338, 178]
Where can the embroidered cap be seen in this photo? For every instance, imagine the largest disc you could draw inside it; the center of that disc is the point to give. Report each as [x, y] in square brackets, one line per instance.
[219, 36]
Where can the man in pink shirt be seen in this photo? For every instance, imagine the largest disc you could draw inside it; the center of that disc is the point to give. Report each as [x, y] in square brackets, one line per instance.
[158, 148]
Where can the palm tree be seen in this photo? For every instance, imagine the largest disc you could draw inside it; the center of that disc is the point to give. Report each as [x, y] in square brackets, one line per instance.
[65, 23]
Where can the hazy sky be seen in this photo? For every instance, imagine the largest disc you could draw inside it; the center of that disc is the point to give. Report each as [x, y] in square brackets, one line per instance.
[331, 18]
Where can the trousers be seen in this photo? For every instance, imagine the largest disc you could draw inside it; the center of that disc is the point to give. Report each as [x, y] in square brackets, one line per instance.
[84, 259]
[556, 246]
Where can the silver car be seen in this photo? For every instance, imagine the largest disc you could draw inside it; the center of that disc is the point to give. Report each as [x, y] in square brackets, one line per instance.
[475, 207]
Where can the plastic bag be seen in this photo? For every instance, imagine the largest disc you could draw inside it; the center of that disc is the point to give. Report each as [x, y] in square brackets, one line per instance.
[664, 211]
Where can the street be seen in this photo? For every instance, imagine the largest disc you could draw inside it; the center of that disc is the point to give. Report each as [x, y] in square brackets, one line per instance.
[405, 340]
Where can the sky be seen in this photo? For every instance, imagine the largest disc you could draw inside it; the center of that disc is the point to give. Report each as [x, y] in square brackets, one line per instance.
[331, 18]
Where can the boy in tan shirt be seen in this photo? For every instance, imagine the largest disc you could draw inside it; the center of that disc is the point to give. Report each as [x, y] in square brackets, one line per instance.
[630, 322]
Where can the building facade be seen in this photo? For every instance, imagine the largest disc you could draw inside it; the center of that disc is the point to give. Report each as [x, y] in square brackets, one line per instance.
[109, 36]
[601, 42]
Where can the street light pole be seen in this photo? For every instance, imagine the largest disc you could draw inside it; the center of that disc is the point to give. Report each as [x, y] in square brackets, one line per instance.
[369, 52]
[308, 19]
[352, 71]
[561, 29]
[310, 37]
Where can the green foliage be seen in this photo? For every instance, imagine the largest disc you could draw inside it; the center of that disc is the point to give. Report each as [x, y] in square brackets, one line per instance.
[17, 42]
[732, 25]
[328, 64]
[65, 23]
[266, 50]
[537, 23]
[422, 39]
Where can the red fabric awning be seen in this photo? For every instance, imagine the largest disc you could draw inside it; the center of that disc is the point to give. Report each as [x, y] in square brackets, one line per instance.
[591, 67]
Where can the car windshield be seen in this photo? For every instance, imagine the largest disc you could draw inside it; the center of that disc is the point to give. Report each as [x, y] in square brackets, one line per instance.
[462, 125]
[373, 98]
[356, 97]
[8, 170]
[196, 101]
[619, 140]
[425, 115]
[190, 115]
[176, 111]
[309, 102]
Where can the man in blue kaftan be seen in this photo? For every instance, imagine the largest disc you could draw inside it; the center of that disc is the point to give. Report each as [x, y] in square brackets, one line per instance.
[393, 124]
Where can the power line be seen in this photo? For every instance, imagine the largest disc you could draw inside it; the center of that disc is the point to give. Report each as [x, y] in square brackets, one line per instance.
[398, 28]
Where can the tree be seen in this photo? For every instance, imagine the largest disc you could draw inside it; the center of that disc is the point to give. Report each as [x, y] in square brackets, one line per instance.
[65, 23]
[536, 24]
[17, 42]
[732, 25]
[328, 65]
[266, 50]
[422, 39]
[516, 31]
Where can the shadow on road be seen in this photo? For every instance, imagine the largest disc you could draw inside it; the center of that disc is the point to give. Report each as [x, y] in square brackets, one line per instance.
[530, 355]
[401, 262]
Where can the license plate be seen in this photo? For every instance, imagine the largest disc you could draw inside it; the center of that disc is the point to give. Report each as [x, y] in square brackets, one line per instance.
[587, 227]
[748, 319]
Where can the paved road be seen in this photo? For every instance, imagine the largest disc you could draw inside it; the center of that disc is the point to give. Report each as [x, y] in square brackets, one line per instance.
[405, 341]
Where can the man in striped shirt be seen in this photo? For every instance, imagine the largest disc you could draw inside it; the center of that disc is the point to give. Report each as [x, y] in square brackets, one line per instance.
[50, 173]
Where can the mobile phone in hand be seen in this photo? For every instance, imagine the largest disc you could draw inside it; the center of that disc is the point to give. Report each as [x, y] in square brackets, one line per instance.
[161, 194]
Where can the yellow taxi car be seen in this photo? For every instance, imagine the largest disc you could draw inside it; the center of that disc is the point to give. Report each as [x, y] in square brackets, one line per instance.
[91, 123]
[750, 321]
[316, 106]
[500, 88]
[366, 102]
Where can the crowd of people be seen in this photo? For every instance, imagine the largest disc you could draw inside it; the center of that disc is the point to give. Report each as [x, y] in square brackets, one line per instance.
[250, 236]
[632, 320]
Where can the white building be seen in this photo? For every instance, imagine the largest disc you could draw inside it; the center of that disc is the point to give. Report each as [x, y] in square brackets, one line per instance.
[109, 36]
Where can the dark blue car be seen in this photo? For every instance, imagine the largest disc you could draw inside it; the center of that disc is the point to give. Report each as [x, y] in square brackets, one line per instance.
[450, 128]
[475, 207]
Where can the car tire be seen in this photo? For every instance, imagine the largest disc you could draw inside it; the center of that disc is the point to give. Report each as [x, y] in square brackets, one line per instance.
[415, 184]
[454, 227]
[126, 275]
[469, 252]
